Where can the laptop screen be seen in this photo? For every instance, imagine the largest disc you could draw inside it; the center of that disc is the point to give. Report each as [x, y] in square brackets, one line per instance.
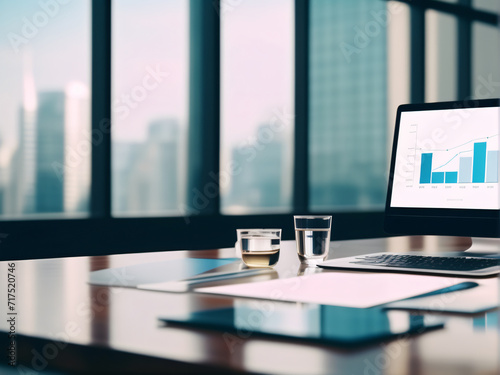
[447, 158]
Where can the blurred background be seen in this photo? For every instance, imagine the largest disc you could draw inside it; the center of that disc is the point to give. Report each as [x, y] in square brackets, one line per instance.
[359, 60]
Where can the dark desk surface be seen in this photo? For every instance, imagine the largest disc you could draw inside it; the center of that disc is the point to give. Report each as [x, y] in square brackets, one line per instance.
[65, 324]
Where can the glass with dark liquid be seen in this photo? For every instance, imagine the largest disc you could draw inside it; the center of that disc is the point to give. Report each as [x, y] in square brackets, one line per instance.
[259, 247]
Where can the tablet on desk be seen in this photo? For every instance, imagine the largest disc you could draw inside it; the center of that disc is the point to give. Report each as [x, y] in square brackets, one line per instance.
[325, 324]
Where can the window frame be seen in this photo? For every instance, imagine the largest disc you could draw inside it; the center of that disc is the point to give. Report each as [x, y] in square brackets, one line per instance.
[103, 234]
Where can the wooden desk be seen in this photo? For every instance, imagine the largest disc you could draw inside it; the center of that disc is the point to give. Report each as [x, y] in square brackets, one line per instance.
[65, 324]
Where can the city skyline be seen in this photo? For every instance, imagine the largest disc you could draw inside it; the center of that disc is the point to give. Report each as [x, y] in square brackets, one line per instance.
[49, 172]
[146, 175]
[41, 176]
[57, 55]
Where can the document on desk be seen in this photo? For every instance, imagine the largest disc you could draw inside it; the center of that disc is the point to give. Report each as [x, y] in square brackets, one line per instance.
[338, 289]
[147, 273]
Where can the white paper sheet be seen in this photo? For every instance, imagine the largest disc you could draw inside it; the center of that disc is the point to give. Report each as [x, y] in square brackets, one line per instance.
[339, 289]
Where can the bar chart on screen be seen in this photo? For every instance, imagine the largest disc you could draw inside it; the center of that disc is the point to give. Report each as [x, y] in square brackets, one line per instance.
[447, 160]
[472, 162]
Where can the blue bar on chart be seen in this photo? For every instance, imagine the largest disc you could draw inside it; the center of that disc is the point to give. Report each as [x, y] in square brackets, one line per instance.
[492, 170]
[425, 168]
[451, 177]
[437, 177]
[479, 163]
[465, 170]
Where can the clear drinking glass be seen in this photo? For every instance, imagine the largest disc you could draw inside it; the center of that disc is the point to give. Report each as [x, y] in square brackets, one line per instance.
[259, 247]
[312, 234]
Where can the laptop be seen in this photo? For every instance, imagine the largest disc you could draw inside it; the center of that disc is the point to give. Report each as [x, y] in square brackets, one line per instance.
[443, 180]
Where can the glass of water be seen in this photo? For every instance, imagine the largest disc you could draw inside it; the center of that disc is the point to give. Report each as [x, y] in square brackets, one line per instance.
[312, 234]
[259, 247]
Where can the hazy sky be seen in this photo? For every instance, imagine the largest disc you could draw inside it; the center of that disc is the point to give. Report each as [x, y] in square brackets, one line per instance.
[150, 35]
[257, 57]
[257, 60]
[59, 47]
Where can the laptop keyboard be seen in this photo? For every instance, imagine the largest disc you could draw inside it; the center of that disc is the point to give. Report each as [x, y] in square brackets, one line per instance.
[428, 262]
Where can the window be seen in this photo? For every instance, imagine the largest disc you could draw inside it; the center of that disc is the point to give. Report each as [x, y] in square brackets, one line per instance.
[348, 104]
[45, 146]
[441, 57]
[488, 5]
[257, 106]
[149, 106]
[224, 113]
[485, 61]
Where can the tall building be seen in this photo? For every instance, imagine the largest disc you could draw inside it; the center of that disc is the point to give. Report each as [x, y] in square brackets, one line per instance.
[153, 182]
[259, 185]
[77, 146]
[12, 205]
[125, 154]
[348, 103]
[50, 152]
[3, 179]
[20, 192]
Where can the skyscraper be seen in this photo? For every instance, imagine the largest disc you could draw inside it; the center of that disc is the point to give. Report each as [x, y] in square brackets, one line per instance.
[125, 154]
[20, 190]
[153, 181]
[259, 185]
[50, 152]
[3, 181]
[348, 103]
[77, 153]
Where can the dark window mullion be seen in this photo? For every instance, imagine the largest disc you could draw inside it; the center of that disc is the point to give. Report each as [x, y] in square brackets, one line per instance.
[459, 10]
[100, 192]
[301, 134]
[417, 54]
[464, 49]
[203, 191]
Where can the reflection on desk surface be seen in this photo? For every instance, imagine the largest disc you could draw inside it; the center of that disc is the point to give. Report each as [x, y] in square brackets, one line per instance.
[55, 300]
[327, 324]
